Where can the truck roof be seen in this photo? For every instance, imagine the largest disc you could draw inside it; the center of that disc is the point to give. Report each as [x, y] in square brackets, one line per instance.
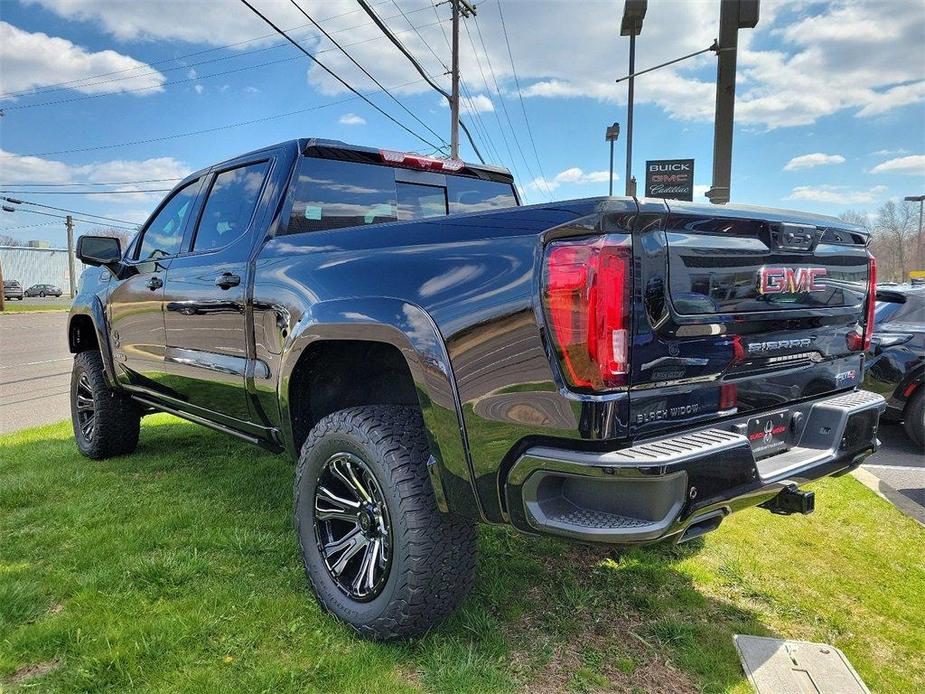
[309, 145]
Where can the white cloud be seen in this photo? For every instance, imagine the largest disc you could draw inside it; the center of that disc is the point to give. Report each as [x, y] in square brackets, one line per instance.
[351, 119]
[808, 161]
[199, 88]
[801, 63]
[19, 170]
[889, 152]
[838, 195]
[480, 103]
[574, 176]
[913, 164]
[36, 60]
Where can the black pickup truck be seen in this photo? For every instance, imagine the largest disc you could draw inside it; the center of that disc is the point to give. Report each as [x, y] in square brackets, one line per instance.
[432, 355]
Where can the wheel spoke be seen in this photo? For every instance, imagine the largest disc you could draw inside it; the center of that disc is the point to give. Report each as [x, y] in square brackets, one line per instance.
[363, 583]
[343, 471]
[346, 547]
[87, 427]
[327, 501]
[84, 403]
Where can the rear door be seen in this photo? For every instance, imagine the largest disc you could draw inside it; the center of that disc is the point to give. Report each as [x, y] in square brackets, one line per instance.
[205, 296]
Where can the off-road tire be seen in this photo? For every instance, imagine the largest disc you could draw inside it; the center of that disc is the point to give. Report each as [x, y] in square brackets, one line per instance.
[914, 418]
[433, 554]
[117, 417]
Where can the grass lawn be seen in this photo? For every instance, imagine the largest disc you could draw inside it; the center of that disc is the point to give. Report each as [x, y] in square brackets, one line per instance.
[19, 307]
[176, 569]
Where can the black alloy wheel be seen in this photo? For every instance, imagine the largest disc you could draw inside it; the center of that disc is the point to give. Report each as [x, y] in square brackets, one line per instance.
[352, 527]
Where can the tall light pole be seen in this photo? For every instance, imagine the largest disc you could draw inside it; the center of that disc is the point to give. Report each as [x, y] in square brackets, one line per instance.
[920, 199]
[613, 132]
[733, 15]
[634, 11]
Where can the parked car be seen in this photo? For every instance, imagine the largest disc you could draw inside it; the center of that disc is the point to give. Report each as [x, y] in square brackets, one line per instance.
[12, 290]
[431, 354]
[895, 367]
[43, 290]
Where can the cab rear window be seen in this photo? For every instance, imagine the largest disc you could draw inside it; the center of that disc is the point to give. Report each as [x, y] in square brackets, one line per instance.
[334, 194]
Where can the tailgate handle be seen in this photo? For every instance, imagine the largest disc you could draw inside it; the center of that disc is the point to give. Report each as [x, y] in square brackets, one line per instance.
[794, 237]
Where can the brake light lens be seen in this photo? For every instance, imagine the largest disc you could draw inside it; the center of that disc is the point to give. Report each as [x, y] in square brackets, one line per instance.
[415, 161]
[871, 301]
[586, 296]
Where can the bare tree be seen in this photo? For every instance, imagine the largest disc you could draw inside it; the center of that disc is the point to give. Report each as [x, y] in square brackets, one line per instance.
[894, 238]
[124, 236]
[7, 240]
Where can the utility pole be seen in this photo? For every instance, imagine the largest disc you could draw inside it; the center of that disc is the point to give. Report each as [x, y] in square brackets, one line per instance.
[465, 8]
[2, 297]
[733, 15]
[70, 254]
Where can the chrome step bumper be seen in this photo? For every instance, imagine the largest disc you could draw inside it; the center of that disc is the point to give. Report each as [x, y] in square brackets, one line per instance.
[658, 488]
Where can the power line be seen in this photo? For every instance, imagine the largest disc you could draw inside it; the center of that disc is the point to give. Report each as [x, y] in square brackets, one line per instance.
[187, 80]
[522, 105]
[366, 72]
[507, 116]
[77, 219]
[58, 86]
[86, 192]
[17, 201]
[88, 183]
[335, 75]
[417, 66]
[28, 226]
[198, 132]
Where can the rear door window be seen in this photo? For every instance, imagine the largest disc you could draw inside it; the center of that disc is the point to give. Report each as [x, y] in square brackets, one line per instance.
[230, 206]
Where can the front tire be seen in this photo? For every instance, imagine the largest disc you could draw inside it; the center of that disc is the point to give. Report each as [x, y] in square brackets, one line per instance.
[106, 423]
[362, 489]
[914, 418]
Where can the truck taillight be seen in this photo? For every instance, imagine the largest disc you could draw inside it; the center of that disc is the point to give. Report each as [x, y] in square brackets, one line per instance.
[586, 296]
[871, 301]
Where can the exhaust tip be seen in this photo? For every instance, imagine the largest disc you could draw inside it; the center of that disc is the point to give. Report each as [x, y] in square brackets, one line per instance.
[702, 526]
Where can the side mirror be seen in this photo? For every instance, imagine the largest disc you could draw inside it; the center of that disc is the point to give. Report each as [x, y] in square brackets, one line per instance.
[99, 250]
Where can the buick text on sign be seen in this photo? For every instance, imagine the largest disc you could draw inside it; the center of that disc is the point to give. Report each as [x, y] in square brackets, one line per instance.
[670, 178]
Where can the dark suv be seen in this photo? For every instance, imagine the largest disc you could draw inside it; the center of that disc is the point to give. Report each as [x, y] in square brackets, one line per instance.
[431, 354]
[896, 365]
[12, 290]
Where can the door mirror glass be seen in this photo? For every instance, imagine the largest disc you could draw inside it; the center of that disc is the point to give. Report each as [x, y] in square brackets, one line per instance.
[99, 250]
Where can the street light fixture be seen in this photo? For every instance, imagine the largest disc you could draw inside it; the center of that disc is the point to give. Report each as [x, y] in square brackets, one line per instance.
[613, 132]
[634, 11]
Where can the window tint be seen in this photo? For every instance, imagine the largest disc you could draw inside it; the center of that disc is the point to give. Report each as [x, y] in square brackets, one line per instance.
[163, 235]
[230, 206]
[335, 194]
[415, 201]
[476, 195]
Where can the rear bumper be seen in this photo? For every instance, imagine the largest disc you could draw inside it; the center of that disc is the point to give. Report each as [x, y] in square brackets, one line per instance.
[683, 485]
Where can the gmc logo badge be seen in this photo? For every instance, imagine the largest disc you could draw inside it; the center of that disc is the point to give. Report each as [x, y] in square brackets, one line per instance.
[786, 280]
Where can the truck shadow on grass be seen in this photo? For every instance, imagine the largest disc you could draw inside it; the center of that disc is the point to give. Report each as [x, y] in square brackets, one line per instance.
[186, 547]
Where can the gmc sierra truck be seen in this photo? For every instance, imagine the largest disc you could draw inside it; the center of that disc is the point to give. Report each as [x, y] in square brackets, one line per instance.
[431, 354]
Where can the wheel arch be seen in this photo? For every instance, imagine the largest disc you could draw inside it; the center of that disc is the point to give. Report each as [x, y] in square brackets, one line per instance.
[395, 353]
[87, 330]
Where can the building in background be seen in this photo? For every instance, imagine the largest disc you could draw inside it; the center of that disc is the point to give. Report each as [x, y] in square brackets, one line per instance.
[36, 265]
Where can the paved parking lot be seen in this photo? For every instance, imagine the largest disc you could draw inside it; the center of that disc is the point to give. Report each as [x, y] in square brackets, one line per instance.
[35, 369]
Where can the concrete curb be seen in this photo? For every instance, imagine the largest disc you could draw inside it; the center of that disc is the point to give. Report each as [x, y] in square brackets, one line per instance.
[885, 491]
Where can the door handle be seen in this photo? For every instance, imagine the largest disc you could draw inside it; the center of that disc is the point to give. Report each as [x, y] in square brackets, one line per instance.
[226, 280]
[154, 283]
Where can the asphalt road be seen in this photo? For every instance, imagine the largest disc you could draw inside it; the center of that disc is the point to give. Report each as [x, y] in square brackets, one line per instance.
[35, 369]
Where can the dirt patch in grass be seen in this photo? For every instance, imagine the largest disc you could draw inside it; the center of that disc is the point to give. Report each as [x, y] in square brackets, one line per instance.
[602, 649]
[30, 672]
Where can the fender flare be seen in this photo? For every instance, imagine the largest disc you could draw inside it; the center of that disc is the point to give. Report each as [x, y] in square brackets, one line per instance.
[413, 332]
[94, 310]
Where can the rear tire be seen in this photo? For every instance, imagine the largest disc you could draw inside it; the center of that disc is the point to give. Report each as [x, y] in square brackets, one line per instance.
[914, 418]
[423, 561]
[106, 423]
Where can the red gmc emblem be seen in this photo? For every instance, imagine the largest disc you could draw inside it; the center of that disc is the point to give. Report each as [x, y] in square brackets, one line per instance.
[787, 280]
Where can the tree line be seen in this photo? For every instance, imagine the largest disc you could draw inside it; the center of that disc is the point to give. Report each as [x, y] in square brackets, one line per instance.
[896, 239]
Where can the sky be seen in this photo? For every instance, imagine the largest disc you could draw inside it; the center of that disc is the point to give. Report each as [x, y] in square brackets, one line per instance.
[830, 111]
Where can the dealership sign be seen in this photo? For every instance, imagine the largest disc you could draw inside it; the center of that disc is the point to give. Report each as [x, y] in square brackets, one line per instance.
[670, 178]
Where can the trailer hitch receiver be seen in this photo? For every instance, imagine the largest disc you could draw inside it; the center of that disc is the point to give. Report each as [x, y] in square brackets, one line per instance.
[791, 500]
